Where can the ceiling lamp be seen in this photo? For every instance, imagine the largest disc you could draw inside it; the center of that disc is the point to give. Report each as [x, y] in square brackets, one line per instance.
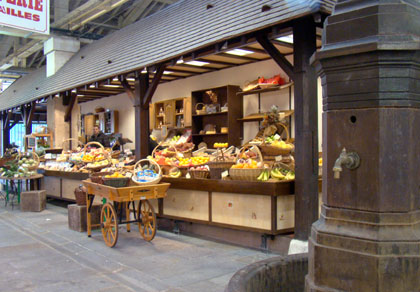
[239, 52]
[197, 63]
[286, 39]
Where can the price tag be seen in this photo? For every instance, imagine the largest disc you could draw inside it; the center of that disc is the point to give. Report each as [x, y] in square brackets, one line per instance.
[279, 158]
[225, 173]
[188, 175]
[129, 174]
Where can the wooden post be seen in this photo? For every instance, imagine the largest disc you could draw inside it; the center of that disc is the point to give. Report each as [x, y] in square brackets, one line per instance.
[306, 127]
[28, 115]
[6, 130]
[141, 116]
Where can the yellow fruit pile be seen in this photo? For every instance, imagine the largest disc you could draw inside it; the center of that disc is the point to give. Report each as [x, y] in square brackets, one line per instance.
[282, 145]
[252, 164]
[199, 160]
[115, 175]
[220, 145]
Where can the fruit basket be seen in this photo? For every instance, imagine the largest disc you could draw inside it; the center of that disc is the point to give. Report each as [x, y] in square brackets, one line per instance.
[273, 147]
[219, 165]
[97, 161]
[247, 169]
[147, 172]
[201, 172]
[97, 177]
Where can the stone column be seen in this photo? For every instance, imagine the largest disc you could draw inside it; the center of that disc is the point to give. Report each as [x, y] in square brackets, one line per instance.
[58, 51]
[368, 234]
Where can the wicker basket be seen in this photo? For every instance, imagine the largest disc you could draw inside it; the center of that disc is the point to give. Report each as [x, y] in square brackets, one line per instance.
[138, 166]
[98, 177]
[201, 111]
[199, 174]
[268, 150]
[35, 157]
[246, 174]
[116, 182]
[97, 168]
[80, 195]
[219, 165]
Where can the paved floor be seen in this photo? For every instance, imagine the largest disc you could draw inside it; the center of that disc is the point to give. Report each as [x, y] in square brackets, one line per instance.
[39, 253]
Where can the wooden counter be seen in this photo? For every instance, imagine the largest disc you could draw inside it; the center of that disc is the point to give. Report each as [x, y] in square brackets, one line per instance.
[263, 207]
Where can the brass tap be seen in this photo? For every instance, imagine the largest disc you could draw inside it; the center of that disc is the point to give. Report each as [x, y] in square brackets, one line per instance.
[350, 160]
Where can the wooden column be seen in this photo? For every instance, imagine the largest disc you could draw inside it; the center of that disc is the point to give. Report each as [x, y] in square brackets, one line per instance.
[6, 130]
[141, 116]
[306, 127]
[28, 114]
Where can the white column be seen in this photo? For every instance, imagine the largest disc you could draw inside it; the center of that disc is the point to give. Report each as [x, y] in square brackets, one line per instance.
[58, 51]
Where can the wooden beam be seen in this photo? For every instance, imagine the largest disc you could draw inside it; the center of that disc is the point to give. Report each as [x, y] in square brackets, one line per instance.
[218, 62]
[7, 120]
[152, 88]
[141, 120]
[67, 116]
[127, 88]
[243, 58]
[306, 128]
[255, 50]
[276, 55]
[29, 115]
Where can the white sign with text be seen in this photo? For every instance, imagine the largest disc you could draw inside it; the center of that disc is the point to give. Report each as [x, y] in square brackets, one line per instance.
[31, 15]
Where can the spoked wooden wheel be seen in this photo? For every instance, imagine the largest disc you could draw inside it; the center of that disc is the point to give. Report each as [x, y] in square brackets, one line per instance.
[147, 220]
[109, 225]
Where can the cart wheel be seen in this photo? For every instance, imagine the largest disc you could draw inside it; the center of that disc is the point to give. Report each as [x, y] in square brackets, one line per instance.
[147, 220]
[109, 225]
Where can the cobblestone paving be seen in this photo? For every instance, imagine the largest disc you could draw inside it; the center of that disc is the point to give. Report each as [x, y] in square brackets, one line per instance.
[39, 253]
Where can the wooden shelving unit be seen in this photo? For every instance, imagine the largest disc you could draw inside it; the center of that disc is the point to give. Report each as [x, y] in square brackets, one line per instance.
[225, 94]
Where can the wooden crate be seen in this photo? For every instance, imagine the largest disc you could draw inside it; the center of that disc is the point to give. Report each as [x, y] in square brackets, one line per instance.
[285, 212]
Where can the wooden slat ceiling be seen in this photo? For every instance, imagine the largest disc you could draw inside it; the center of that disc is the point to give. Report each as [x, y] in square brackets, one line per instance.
[149, 42]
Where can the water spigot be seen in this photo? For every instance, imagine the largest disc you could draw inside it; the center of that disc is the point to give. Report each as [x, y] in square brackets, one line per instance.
[350, 160]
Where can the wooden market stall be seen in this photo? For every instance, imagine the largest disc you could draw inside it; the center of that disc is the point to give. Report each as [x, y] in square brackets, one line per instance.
[261, 207]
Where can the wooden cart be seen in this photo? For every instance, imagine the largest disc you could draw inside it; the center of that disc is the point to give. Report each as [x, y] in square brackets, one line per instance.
[145, 215]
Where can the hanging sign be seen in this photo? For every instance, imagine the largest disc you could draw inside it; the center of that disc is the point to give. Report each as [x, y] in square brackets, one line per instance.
[30, 15]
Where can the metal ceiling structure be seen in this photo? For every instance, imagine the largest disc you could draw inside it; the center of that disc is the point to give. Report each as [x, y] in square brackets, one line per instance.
[86, 20]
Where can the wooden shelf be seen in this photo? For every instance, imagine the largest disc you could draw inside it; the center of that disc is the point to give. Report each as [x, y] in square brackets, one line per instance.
[260, 117]
[217, 134]
[269, 89]
[212, 114]
[179, 114]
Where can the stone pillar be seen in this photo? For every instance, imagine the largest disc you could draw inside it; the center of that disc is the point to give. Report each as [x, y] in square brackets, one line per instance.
[55, 121]
[368, 234]
[58, 51]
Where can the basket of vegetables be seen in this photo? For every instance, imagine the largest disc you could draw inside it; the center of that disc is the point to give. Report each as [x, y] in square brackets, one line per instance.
[29, 160]
[147, 172]
[95, 158]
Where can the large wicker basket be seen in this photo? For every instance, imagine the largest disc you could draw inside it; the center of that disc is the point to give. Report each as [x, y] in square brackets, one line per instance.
[35, 157]
[199, 174]
[269, 150]
[97, 168]
[246, 174]
[219, 165]
[80, 195]
[138, 166]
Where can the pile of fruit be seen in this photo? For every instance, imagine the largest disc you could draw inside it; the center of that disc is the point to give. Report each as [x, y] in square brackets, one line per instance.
[115, 175]
[175, 172]
[193, 161]
[201, 167]
[220, 145]
[264, 176]
[249, 163]
[275, 140]
[97, 164]
[282, 174]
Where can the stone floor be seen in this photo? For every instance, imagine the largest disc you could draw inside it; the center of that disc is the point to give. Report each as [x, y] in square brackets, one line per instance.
[39, 253]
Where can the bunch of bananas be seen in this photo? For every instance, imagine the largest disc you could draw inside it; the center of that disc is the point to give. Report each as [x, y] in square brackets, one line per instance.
[282, 174]
[264, 176]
